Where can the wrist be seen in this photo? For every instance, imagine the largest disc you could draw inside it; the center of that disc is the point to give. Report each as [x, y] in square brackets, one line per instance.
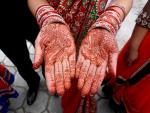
[110, 19]
[46, 14]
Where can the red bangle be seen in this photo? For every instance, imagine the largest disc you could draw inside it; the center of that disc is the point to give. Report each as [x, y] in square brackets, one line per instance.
[119, 7]
[47, 13]
[114, 14]
[111, 20]
[39, 8]
[105, 25]
[42, 10]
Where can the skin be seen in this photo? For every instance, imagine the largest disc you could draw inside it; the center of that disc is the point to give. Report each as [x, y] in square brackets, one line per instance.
[55, 44]
[132, 52]
[97, 53]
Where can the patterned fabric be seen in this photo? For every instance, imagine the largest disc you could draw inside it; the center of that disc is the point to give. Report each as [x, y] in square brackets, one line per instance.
[144, 17]
[79, 14]
[90, 105]
[6, 91]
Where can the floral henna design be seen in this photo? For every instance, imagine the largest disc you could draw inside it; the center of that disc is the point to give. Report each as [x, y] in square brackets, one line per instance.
[98, 79]
[83, 71]
[99, 47]
[57, 42]
[57, 46]
[66, 72]
[59, 78]
[88, 80]
[50, 79]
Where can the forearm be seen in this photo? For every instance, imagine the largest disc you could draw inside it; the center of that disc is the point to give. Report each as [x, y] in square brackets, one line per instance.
[44, 13]
[141, 28]
[35, 4]
[127, 4]
[137, 36]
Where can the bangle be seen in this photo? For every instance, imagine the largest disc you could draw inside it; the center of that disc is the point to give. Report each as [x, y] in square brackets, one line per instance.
[103, 24]
[110, 19]
[46, 14]
[119, 8]
[143, 20]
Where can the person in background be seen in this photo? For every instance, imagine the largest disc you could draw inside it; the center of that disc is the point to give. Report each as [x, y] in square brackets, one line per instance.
[131, 88]
[18, 25]
[6, 91]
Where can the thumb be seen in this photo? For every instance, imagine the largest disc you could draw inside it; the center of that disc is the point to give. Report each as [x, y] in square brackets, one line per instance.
[38, 57]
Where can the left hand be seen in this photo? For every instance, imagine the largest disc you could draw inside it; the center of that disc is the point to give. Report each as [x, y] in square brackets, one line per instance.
[98, 51]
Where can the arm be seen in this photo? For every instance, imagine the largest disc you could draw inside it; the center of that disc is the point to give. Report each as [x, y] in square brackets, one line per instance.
[142, 26]
[127, 4]
[140, 30]
[99, 48]
[35, 4]
[55, 45]
[134, 43]
[137, 37]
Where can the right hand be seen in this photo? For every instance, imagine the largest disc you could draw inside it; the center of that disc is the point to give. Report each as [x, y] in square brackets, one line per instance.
[56, 46]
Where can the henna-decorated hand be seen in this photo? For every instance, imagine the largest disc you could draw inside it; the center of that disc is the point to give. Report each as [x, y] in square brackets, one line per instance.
[55, 45]
[98, 51]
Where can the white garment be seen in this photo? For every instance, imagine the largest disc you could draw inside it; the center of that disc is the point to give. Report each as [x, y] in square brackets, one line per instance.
[108, 2]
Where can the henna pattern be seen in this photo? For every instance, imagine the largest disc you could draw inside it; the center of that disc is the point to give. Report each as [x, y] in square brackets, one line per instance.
[57, 44]
[99, 47]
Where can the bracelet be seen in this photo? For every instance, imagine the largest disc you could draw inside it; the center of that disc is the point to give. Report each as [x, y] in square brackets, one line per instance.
[105, 25]
[42, 10]
[46, 14]
[143, 20]
[110, 19]
[119, 7]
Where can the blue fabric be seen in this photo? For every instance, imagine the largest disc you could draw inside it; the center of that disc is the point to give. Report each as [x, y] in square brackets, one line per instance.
[5, 94]
[4, 103]
[9, 77]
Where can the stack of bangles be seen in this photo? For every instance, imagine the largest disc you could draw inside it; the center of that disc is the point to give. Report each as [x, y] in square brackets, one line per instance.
[110, 19]
[46, 15]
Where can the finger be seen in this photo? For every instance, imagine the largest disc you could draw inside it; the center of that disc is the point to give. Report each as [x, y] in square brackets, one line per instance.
[83, 73]
[38, 57]
[59, 78]
[72, 63]
[99, 77]
[89, 80]
[112, 64]
[79, 64]
[50, 80]
[66, 73]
